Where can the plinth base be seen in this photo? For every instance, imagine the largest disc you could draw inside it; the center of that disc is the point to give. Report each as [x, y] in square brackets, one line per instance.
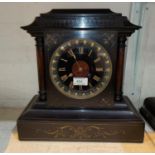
[120, 123]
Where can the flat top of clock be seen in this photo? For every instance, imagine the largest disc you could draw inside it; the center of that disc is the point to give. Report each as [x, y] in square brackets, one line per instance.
[83, 11]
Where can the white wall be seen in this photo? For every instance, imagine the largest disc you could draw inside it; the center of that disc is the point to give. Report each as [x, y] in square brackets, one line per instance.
[139, 80]
[148, 52]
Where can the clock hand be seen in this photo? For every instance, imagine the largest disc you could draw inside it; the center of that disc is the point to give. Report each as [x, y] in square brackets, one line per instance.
[71, 53]
[65, 77]
[70, 75]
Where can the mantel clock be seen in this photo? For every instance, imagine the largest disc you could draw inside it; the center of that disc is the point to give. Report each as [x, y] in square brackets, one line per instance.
[80, 57]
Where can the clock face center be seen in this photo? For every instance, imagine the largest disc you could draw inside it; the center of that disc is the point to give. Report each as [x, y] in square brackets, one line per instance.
[80, 69]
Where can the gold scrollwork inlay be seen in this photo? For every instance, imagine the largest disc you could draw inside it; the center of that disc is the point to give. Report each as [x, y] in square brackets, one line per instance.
[81, 132]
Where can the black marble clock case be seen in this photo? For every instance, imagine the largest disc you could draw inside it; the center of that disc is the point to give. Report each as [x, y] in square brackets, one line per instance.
[49, 116]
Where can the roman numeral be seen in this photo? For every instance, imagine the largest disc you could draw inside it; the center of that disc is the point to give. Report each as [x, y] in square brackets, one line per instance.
[92, 44]
[96, 78]
[64, 60]
[90, 85]
[76, 41]
[53, 68]
[64, 77]
[70, 75]
[81, 50]
[99, 69]
[62, 69]
[90, 53]
[85, 41]
[71, 85]
[97, 59]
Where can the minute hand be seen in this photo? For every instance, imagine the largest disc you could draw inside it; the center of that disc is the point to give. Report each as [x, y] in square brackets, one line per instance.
[71, 53]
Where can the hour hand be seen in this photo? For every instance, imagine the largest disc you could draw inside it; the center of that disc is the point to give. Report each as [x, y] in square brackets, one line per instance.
[70, 75]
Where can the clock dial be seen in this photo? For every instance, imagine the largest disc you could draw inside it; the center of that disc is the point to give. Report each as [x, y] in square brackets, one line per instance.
[80, 68]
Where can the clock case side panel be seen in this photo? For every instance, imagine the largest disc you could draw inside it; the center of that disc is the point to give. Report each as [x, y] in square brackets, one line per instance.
[52, 40]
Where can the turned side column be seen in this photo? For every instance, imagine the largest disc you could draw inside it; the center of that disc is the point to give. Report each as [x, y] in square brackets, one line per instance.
[41, 68]
[119, 68]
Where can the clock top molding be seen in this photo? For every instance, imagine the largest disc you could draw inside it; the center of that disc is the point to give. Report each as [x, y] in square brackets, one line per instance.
[81, 19]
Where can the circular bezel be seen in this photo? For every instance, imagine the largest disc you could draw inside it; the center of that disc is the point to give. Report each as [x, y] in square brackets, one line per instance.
[58, 83]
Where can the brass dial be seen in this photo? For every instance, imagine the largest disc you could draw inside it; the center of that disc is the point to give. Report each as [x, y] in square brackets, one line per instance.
[80, 68]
